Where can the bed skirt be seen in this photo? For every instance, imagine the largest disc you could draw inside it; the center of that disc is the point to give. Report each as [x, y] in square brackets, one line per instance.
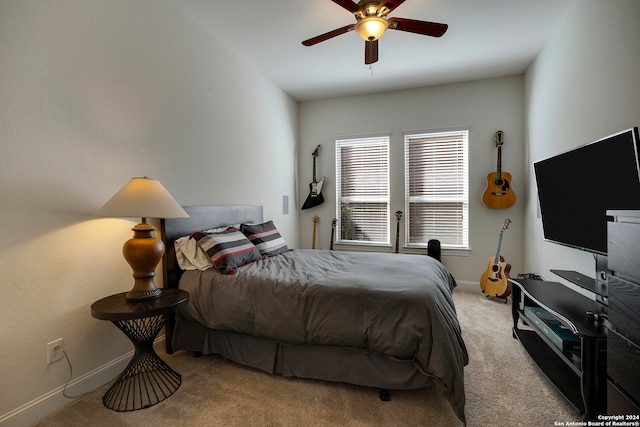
[336, 364]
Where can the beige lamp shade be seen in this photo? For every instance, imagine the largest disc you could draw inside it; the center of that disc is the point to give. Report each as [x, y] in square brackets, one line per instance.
[144, 198]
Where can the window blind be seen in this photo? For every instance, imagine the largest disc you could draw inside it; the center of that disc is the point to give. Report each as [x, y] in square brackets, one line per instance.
[362, 190]
[436, 187]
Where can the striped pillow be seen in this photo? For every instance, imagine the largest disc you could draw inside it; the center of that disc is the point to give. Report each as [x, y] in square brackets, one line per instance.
[266, 237]
[228, 249]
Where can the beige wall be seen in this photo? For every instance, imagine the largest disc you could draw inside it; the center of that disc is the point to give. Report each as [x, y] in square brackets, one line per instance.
[582, 87]
[93, 93]
[482, 106]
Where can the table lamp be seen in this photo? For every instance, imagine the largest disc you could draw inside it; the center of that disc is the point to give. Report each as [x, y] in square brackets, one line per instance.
[144, 198]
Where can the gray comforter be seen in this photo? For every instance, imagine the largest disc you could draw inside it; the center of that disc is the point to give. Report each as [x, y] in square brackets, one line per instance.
[394, 304]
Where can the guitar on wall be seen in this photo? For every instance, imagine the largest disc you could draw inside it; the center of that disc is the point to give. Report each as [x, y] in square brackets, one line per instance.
[315, 197]
[499, 194]
[495, 280]
[398, 218]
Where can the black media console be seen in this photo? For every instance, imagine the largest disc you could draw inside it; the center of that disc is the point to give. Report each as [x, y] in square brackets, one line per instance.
[589, 346]
[563, 332]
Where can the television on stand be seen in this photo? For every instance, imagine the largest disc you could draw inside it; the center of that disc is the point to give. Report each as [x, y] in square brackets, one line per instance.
[578, 186]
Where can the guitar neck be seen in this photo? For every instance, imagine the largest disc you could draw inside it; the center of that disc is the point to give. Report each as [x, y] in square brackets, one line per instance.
[497, 258]
[314, 170]
[398, 218]
[499, 166]
[333, 234]
[499, 141]
[313, 241]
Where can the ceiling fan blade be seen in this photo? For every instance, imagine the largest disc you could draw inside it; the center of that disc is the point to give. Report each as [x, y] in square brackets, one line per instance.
[370, 51]
[327, 36]
[387, 6]
[432, 29]
[347, 4]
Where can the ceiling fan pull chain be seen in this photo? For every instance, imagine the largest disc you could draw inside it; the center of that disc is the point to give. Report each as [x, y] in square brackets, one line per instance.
[371, 70]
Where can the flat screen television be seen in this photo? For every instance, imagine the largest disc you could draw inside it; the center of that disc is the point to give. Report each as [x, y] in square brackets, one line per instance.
[577, 187]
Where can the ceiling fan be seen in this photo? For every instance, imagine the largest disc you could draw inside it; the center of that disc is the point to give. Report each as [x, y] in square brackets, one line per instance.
[372, 21]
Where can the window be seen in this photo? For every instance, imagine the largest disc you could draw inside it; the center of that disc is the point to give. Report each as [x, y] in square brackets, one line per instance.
[362, 190]
[436, 189]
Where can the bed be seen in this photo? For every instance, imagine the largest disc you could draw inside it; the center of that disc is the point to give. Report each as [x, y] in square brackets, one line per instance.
[378, 320]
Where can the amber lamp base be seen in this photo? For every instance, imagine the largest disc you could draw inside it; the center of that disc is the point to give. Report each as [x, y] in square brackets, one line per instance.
[143, 253]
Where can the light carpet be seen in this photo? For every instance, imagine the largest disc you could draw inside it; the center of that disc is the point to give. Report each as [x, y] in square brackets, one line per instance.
[503, 388]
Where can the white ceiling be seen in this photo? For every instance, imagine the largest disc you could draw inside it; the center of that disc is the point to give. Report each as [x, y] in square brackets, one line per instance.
[486, 38]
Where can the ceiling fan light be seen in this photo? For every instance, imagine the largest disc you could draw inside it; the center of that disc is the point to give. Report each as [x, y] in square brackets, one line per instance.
[371, 28]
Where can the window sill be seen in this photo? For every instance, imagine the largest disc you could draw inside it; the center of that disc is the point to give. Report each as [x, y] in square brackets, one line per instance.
[363, 247]
[463, 252]
[419, 250]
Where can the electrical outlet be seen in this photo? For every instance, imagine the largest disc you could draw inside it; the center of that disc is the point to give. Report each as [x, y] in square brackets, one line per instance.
[54, 350]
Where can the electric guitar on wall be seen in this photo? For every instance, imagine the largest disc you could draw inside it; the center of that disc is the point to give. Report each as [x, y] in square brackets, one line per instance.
[495, 280]
[315, 197]
[398, 218]
[499, 194]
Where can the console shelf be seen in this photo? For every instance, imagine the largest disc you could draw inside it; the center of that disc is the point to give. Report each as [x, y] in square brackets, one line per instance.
[580, 373]
[562, 376]
[584, 281]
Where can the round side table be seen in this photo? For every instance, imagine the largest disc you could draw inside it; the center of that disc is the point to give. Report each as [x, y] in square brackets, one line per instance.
[147, 379]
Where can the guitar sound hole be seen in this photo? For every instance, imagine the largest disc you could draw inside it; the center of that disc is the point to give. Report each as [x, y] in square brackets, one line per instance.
[503, 184]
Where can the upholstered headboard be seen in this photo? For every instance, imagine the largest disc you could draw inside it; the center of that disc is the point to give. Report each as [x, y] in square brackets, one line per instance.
[200, 218]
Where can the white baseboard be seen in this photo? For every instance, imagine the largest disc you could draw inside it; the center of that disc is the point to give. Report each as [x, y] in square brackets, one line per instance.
[45, 405]
[468, 286]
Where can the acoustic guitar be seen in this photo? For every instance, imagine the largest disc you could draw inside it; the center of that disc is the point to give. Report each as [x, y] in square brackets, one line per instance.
[315, 197]
[495, 280]
[315, 223]
[398, 218]
[498, 193]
